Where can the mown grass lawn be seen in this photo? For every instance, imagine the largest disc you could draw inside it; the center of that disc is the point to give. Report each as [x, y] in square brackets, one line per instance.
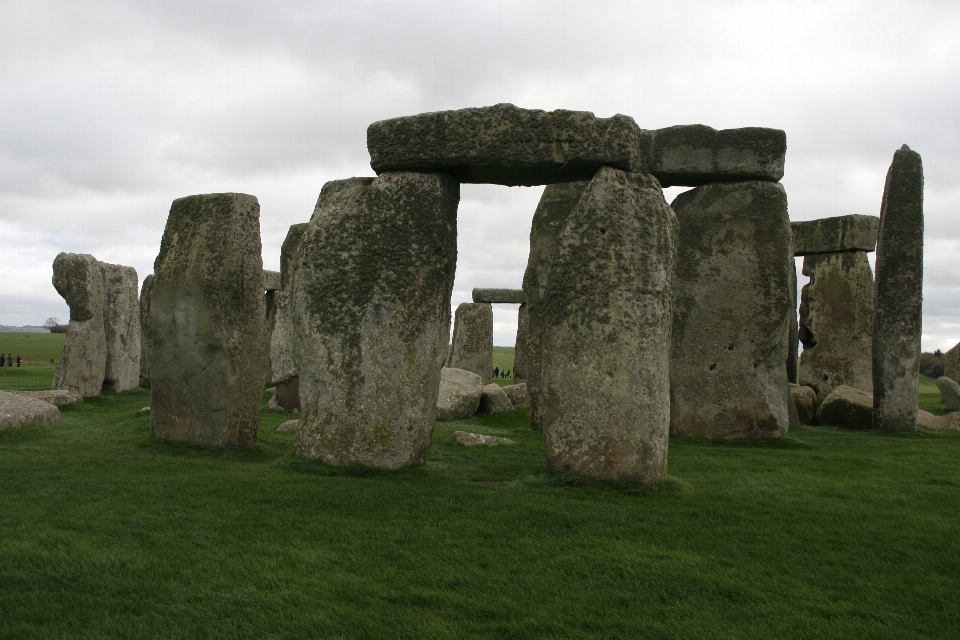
[107, 533]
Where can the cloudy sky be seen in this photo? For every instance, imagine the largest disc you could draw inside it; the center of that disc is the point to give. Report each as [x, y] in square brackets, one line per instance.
[109, 110]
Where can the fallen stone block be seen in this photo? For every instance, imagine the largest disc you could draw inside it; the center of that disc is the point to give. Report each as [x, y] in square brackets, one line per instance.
[459, 394]
[846, 407]
[493, 400]
[17, 410]
[694, 154]
[502, 296]
[517, 394]
[949, 393]
[467, 439]
[289, 425]
[805, 399]
[833, 235]
[56, 397]
[505, 144]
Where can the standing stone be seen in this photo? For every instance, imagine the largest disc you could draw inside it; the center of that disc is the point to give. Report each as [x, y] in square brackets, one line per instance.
[371, 314]
[732, 312]
[207, 323]
[605, 332]
[949, 393]
[898, 296]
[283, 369]
[472, 348]
[556, 203]
[78, 278]
[146, 344]
[836, 322]
[951, 363]
[121, 322]
[520, 346]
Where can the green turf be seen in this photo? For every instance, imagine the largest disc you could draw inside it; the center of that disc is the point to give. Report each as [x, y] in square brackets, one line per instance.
[37, 350]
[503, 358]
[106, 533]
[930, 397]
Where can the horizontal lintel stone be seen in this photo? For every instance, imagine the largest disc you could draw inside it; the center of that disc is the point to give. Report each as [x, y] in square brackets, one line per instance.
[271, 280]
[503, 296]
[833, 235]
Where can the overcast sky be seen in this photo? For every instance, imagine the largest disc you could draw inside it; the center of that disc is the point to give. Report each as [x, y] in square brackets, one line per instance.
[110, 110]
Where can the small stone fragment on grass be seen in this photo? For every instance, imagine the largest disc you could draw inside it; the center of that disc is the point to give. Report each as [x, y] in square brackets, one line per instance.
[145, 411]
[289, 425]
[467, 439]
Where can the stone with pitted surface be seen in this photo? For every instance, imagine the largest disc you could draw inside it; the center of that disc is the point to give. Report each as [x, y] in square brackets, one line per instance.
[503, 296]
[146, 345]
[121, 324]
[459, 394]
[805, 399]
[289, 425]
[520, 346]
[78, 278]
[271, 280]
[467, 439]
[949, 393]
[832, 235]
[494, 400]
[56, 397]
[472, 347]
[517, 394]
[17, 410]
[504, 144]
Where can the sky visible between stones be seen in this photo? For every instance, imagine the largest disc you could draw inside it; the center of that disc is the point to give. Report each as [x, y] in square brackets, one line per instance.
[110, 111]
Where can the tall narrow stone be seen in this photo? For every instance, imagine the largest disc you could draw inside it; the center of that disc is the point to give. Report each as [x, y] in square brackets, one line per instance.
[78, 278]
[793, 339]
[732, 311]
[836, 322]
[207, 323]
[555, 205]
[472, 348]
[605, 332]
[121, 321]
[520, 346]
[951, 362]
[371, 315]
[898, 296]
[284, 371]
[146, 343]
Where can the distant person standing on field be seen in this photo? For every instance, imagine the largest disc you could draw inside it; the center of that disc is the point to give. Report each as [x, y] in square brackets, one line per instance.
[3, 359]
[9, 359]
[19, 360]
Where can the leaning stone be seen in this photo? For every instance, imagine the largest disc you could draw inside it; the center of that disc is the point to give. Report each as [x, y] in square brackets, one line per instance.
[289, 425]
[472, 348]
[846, 407]
[898, 298]
[731, 312]
[371, 313]
[555, 205]
[833, 235]
[836, 322]
[56, 397]
[494, 400]
[207, 323]
[692, 155]
[467, 439]
[502, 296]
[121, 324]
[504, 144]
[951, 363]
[146, 345]
[520, 346]
[459, 394]
[77, 277]
[949, 393]
[517, 394]
[605, 328]
[271, 280]
[17, 410]
[805, 399]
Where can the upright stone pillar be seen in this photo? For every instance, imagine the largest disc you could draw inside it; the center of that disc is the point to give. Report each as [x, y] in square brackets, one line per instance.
[520, 347]
[731, 312]
[121, 322]
[371, 323]
[555, 205]
[78, 278]
[793, 339]
[207, 323]
[836, 322]
[898, 298]
[271, 285]
[146, 344]
[472, 348]
[284, 370]
[605, 332]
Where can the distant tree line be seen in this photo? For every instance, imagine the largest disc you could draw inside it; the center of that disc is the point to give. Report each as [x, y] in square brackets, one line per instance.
[54, 326]
[931, 364]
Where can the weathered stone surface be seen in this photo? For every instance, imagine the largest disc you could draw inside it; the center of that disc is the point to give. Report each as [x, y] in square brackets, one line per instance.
[494, 400]
[836, 322]
[503, 296]
[17, 410]
[121, 325]
[949, 393]
[930, 422]
[467, 439]
[555, 205]
[271, 280]
[794, 417]
[146, 344]
[694, 154]
[288, 394]
[793, 334]
[504, 144]
[77, 277]
[517, 394]
[371, 323]
[846, 407]
[207, 323]
[520, 346]
[56, 397]
[472, 348]
[289, 425]
[732, 312]
[269, 323]
[605, 332]
[951, 363]
[282, 363]
[459, 394]
[833, 235]
[288, 253]
[898, 297]
[805, 399]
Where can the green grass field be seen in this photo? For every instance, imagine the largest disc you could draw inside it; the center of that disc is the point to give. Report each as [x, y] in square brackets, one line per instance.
[37, 350]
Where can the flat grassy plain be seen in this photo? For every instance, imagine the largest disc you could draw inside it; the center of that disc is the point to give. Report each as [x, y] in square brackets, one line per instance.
[107, 533]
[36, 349]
